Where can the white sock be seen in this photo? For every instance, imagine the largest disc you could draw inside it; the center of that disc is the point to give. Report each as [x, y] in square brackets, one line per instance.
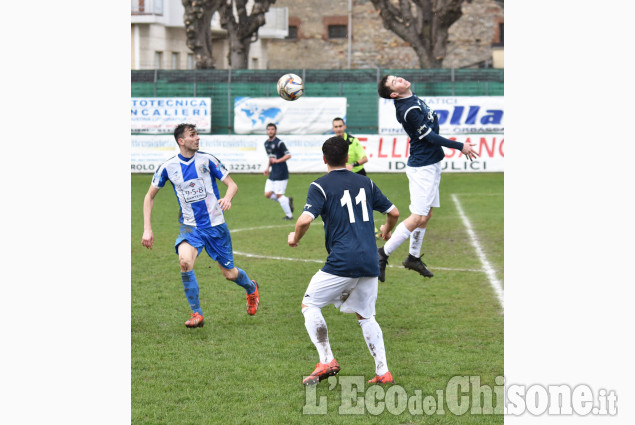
[416, 239]
[273, 197]
[375, 341]
[284, 203]
[318, 332]
[400, 234]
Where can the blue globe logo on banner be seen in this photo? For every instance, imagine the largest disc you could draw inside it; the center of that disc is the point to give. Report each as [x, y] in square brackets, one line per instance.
[259, 116]
[254, 115]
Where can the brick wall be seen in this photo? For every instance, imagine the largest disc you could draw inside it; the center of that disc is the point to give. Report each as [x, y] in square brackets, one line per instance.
[470, 38]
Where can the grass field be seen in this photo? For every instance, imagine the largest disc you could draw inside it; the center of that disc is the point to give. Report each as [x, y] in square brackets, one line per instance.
[240, 369]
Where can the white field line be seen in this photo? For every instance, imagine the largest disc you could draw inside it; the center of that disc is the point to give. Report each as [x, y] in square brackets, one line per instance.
[271, 257]
[487, 268]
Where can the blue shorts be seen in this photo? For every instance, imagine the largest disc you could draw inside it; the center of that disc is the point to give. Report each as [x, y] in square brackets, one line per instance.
[216, 241]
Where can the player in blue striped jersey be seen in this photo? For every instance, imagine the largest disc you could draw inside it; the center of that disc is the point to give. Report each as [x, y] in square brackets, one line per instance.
[193, 175]
[345, 201]
[423, 169]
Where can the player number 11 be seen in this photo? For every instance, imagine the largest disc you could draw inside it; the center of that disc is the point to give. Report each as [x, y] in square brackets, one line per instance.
[359, 199]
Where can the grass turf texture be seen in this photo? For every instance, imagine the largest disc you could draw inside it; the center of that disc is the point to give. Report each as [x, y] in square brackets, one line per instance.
[240, 369]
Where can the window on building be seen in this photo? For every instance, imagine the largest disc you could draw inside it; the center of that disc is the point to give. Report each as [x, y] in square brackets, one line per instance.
[190, 61]
[175, 60]
[293, 32]
[498, 36]
[337, 31]
[158, 59]
[294, 28]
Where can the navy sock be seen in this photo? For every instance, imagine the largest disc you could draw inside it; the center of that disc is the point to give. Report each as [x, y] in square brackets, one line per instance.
[245, 282]
[191, 291]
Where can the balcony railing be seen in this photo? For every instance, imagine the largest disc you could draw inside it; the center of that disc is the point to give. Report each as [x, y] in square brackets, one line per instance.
[147, 7]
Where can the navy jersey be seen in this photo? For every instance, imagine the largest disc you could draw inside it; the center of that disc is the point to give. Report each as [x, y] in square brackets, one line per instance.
[276, 149]
[422, 126]
[346, 201]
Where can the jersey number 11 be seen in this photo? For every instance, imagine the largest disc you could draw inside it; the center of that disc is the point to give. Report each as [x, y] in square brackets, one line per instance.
[359, 199]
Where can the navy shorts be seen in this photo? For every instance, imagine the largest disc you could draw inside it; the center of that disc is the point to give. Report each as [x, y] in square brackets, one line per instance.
[215, 240]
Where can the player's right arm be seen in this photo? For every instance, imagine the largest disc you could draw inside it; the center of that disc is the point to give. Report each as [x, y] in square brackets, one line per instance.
[301, 226]
[148, 204]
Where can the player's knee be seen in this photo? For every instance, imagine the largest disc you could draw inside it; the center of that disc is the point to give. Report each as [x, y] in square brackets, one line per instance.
[186, 264]
[422, 220]
[230, 274]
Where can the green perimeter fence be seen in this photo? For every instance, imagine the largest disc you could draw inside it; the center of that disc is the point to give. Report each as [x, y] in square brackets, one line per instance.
[359, 86]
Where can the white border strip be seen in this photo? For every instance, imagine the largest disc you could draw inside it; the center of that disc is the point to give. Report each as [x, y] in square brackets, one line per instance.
[487, 268]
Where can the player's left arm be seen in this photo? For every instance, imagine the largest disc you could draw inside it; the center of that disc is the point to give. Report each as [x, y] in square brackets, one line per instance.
[283, 159]
[360, 152]
[466, 148]
[226, 201]
[301, 227]
[385, 230]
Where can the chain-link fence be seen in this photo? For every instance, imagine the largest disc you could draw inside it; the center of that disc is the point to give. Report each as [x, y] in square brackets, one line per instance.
[359, 86]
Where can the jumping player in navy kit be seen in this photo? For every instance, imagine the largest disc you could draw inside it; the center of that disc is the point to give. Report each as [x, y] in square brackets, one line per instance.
[348, 280]
[423, 170]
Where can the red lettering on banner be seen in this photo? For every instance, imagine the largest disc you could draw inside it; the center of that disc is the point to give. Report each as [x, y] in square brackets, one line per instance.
[394, 145]
[500, 148]
[490, 152]
[379, 154]
[407, 147]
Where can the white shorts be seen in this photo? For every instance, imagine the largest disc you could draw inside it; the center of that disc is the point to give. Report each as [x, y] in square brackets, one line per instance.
[276, 186]
[349, 294]
[423, 183]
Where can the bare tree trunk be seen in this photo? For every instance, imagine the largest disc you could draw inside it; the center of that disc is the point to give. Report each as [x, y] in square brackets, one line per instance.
[244, 31]
[198, 19]
[424, 24]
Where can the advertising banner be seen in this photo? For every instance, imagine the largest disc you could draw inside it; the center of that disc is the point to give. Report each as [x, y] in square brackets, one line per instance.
[246, 154]
[163, 114]
[457, 115]
[307, 115]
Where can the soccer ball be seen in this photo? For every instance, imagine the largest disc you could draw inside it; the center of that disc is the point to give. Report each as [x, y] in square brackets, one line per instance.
[290, 87]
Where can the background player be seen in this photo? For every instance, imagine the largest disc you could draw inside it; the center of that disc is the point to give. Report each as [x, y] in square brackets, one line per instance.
[423, 170]
[348, 280]
[193, 175]
[276, 183]
[356, 153]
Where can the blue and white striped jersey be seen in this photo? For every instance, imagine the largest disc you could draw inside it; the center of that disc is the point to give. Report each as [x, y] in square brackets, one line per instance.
[421, 124]
[346, 201]
[194, 182]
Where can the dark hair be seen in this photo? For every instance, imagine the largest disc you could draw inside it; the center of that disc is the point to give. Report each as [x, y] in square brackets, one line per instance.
[382, 89]
[339, 119]
[272, 125]
[180, 130]
[335, 150]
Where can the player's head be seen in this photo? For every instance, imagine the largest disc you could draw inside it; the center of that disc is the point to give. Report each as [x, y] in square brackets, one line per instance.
[271, 129]
[182, 129]
[335, 151]
[391, 87]
[339, 126]
[187, 138]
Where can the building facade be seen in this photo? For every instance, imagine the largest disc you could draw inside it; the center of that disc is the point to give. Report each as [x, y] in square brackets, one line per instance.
[315, 35]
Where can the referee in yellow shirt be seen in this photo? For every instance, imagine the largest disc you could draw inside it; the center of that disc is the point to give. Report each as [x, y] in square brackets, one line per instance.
[356, 153]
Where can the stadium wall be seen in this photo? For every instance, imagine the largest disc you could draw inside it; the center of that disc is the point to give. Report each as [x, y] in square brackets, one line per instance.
[387, 152]
[358, 86]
